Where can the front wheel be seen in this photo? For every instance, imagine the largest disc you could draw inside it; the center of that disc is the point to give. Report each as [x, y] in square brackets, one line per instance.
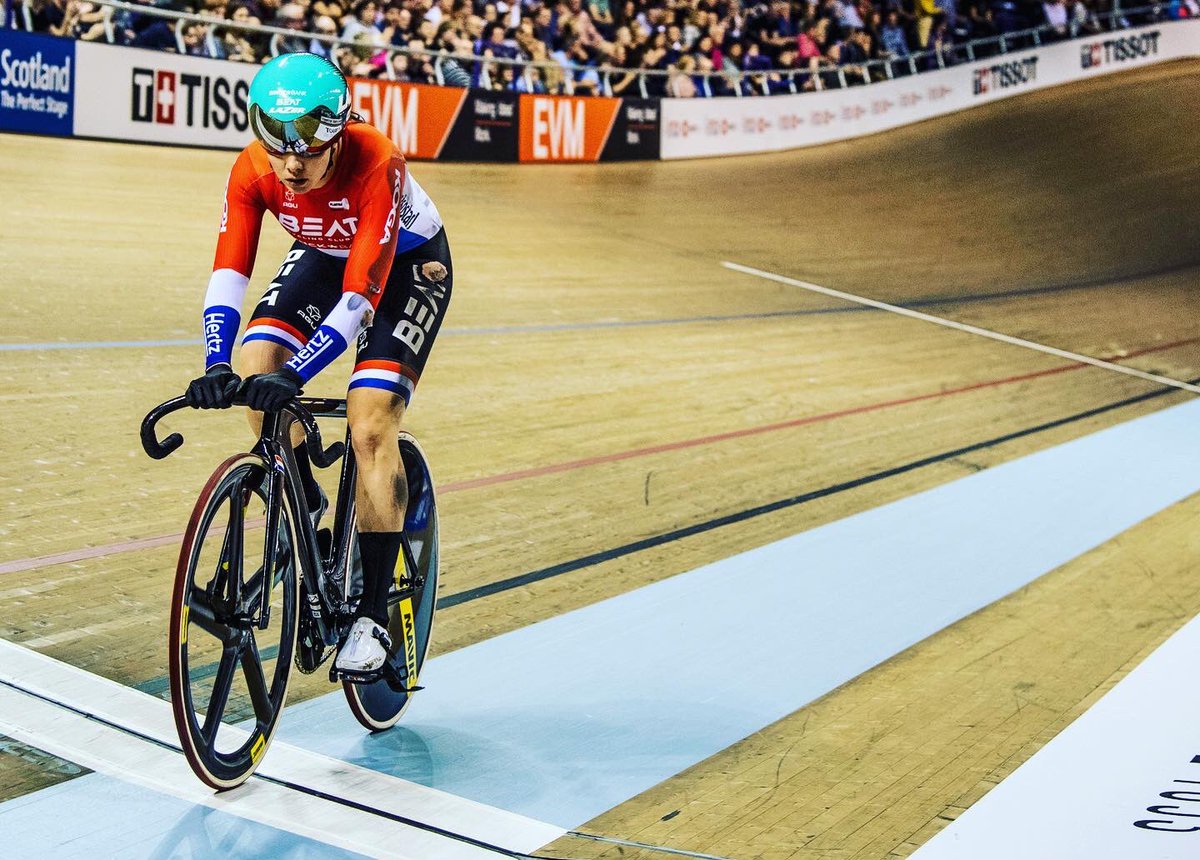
[229, 664]
[411, 603]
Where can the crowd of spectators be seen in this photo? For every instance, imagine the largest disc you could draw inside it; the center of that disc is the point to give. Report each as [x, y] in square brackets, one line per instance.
[595, 46]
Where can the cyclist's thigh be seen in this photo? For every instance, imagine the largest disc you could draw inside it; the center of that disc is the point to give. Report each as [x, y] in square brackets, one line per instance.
[393, 351]
[303, 291]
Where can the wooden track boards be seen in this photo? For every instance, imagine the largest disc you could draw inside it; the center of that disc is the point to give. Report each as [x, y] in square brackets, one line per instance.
[1085, 186]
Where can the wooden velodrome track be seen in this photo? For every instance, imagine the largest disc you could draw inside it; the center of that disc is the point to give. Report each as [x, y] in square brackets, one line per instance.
[1082, 198]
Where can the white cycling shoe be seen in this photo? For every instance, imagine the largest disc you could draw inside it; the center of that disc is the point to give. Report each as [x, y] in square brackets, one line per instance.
[365, 650]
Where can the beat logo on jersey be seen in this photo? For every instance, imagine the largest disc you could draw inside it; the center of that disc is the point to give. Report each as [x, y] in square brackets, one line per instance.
[183, 99]
[318, 231]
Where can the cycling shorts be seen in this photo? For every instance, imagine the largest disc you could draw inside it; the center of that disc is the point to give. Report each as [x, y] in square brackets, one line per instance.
[393, 350]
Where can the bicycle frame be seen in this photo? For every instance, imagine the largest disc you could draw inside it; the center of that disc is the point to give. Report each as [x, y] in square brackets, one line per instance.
[275, 448]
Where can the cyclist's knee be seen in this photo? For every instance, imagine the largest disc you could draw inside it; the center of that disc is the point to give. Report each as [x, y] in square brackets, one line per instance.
[373, 434]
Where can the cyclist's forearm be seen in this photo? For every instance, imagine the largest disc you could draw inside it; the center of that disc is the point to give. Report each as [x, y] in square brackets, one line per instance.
[222, 317]
[330, 340]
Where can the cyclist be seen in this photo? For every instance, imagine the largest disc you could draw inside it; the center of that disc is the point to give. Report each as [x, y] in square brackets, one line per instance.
[370, 266]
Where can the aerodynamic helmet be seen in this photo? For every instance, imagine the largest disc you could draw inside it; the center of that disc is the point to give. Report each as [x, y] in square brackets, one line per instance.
[298, 103]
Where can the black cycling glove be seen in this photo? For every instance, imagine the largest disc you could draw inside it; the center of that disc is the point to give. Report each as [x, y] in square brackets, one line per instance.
[269, 392]
[213, 390]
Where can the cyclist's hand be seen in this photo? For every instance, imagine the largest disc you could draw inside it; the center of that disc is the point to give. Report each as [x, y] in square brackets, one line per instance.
[213, 390]
[269, 392]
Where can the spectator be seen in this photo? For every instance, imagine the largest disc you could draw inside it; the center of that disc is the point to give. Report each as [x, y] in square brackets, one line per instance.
[1056, 15]
[1084, 20]
[926, 10]
[679, 82]
[893, 40]
[602, 17]
[333, 9]
[363, 23]
[159, 35]
[236, 44]
[193, 36]
[622, 78]
[323, 26]
[810, 51]
[291, 17]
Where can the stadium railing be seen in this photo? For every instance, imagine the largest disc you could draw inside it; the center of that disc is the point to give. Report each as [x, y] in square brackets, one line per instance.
[449, 68]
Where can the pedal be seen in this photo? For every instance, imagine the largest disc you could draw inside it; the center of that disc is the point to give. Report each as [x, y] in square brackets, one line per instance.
[336, 675]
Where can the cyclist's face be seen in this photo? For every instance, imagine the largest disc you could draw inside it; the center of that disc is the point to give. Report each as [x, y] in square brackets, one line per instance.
[302, 173]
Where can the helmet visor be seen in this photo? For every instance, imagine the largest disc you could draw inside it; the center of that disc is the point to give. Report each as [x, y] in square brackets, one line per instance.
[307, 134]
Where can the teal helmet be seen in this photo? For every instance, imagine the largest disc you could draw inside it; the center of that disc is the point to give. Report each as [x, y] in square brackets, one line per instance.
[298, 103]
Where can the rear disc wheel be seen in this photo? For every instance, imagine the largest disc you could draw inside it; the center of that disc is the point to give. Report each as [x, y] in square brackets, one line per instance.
[411, 603]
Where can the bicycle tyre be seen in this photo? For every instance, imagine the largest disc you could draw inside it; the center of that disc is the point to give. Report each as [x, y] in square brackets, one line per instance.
[377, 706]
[195, 610]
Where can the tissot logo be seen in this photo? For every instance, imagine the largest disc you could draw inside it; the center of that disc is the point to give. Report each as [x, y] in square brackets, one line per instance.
[187, 100]
[1120, 50]
[1004, 75]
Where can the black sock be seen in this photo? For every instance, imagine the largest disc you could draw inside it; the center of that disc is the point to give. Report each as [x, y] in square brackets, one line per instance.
[380, 552]
[312, 493]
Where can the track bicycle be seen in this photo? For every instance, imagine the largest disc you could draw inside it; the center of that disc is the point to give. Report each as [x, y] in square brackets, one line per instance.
[258, 589]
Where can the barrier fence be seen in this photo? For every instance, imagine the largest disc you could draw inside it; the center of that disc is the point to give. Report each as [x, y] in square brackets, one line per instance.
[63, 87]
[457, 70]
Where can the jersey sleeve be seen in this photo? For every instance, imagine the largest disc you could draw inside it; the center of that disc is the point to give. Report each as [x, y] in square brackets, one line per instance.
[380, 223]
[241, 219]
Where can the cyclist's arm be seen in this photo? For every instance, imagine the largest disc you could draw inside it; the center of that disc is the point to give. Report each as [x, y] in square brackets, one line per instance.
[367, 270]
[237, 243]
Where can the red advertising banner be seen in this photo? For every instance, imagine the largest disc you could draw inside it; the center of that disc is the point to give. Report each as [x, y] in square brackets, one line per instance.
[565, 129]
[417, 117]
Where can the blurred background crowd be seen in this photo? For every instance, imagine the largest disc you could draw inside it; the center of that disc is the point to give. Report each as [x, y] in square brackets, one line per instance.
[702, 47]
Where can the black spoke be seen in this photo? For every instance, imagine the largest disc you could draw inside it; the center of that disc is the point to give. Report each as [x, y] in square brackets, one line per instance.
[201, 613]
[233, 544]
[222, 684]
[252, 669]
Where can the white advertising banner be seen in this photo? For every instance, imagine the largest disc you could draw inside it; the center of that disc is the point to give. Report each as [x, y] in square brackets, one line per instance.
[156, 97]
[730, 126]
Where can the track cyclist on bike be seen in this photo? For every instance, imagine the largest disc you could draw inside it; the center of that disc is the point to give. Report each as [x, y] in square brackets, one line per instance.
[370, 265]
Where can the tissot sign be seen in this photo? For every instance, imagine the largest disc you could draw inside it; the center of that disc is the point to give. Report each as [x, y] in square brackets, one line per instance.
[132, 94]
[706, 127]
[190, 100]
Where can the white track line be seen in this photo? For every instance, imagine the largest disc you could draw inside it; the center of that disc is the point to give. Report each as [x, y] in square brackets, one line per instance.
[109, 751]
[970, 329]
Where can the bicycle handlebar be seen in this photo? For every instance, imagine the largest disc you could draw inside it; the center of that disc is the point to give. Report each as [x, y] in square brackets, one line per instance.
[151, 445]
[322, 457]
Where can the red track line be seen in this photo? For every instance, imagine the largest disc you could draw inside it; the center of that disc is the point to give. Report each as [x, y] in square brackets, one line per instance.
[164, 540]
[782, 425]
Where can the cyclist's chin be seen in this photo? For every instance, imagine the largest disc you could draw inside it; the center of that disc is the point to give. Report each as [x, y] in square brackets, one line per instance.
[298, 185]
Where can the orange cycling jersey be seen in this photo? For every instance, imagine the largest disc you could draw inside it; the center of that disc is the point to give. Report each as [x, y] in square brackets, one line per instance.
[370, 210]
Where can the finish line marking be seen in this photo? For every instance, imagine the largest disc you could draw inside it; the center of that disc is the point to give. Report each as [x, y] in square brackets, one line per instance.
[131, 736]
[965, 327]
